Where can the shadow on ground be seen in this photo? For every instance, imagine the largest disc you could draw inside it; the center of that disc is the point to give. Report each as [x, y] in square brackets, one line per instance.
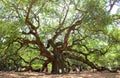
[84, 74]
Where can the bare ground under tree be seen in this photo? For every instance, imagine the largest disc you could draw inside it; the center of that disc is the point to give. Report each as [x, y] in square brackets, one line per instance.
[83, 74]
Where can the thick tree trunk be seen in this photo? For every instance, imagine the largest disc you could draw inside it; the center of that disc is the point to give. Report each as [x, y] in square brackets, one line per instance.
[58, 66]
[58, 63]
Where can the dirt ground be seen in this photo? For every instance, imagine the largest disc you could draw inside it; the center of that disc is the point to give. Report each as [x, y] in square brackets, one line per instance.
[84, 74]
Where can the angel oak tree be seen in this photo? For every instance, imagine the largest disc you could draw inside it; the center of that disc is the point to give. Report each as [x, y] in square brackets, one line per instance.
[59, 30]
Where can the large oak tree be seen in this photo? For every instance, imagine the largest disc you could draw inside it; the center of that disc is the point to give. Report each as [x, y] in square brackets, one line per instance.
[57, 31]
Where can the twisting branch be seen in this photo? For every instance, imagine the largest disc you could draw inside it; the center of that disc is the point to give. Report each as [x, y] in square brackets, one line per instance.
[59, 30]
[58, 33]
[31, 61]
[27, 21]
[65, 15]
[74, 50]
[29, 9]
[77, 41]
[63, 21]
[37, 19]
[25, 41]
[86, 61]
[112, 4]
[16, 52]
[68, 33]
[42, 48]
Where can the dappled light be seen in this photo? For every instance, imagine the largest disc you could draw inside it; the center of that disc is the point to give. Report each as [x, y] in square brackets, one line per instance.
[84, 74]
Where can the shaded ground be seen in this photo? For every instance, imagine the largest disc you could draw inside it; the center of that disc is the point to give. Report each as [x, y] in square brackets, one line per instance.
[84, 74]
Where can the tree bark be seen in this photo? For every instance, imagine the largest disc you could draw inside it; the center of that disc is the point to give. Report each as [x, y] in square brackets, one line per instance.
[58, 63]
[45, 66]
[91, 64]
